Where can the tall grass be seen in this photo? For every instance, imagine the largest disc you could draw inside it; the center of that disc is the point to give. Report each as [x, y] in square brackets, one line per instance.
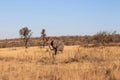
[35, 63]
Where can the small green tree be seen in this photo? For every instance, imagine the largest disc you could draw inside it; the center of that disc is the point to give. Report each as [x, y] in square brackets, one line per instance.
[43, 36]
[25, 34]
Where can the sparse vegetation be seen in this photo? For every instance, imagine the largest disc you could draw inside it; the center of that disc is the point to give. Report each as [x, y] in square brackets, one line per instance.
[102, 38]
[107, 39]
[100, 60]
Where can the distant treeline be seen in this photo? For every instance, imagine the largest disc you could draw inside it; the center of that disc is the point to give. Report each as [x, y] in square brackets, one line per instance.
[101, 38]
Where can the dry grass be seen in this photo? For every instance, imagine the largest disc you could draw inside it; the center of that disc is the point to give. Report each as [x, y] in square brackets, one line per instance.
[34, 63]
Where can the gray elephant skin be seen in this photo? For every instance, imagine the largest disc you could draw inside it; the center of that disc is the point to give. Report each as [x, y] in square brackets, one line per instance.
[56, 45]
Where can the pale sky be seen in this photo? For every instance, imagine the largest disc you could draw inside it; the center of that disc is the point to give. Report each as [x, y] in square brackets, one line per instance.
[59, 17]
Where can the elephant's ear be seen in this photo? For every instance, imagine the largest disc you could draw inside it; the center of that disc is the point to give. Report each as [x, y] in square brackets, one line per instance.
[54, 44]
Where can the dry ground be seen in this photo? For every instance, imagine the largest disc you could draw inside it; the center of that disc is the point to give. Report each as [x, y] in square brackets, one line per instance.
[34, 63]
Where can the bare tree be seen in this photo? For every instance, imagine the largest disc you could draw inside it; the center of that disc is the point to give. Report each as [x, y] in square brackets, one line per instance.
[25, 34]
[103, 37]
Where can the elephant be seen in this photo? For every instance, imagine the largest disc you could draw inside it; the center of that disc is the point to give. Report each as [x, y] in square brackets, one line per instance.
[56, 45]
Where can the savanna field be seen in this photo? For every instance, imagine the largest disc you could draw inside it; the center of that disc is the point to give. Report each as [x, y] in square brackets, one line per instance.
[75, 63]
[59, 40]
